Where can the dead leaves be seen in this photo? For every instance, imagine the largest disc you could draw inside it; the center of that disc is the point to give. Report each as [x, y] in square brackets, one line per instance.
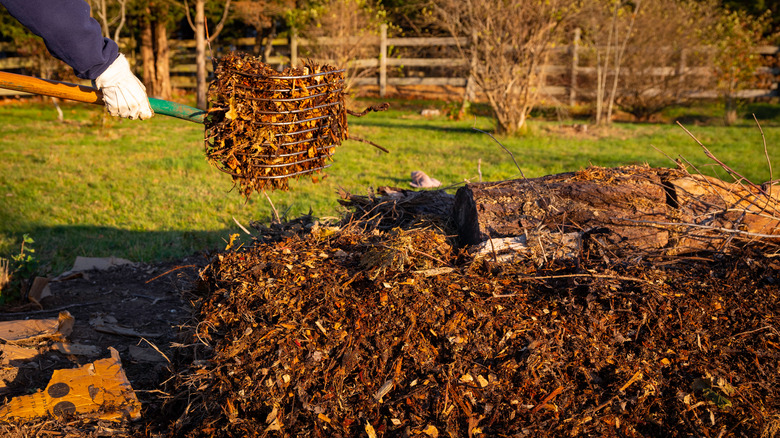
[265, 127]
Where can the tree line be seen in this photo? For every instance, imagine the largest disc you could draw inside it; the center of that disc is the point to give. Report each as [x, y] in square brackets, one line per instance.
[505, 42]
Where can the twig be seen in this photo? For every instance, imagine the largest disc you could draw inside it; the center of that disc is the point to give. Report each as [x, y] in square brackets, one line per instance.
[377, 108]
[363, 140]
[522, 175]
[664, 154]
[709, 183]
[768, 160]
[768, 327]
[551, 396]
[273, 207]
[766, 152]
[56, 309]
[610, 277]
[157, 349]
[708, 227]
[241, 226]
[728, 169]
[169, 271]
[504, 148]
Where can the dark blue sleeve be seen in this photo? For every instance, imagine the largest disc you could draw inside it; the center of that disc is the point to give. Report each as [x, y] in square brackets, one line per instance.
[68, 30]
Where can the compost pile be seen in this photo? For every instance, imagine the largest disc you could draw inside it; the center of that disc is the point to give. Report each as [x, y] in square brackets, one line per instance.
[264, 127]
[385, 328]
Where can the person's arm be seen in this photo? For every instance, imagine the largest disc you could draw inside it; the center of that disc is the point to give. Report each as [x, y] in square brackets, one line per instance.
[73, 36]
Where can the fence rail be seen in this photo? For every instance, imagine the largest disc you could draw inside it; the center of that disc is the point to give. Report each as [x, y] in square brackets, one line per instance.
[393, 71]
[398, 71]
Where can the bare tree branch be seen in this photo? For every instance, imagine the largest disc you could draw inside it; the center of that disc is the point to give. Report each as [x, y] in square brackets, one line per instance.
[222, 21]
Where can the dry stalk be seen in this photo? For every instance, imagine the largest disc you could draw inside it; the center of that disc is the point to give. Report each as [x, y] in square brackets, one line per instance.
[770, 206]
[736, 175]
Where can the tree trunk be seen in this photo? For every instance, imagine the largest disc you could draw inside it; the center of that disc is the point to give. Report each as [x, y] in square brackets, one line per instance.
[155, 56]
[258, 46]
[730, 115]
[631, 209]
[162, 62]
[200, 53]
[147, 58]
[269, 42]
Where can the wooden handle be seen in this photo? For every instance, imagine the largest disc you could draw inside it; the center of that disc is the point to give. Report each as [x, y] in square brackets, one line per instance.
[83, 93]
[63, 90]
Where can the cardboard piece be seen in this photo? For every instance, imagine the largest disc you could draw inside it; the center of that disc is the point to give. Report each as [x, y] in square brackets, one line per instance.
[98, 263]
[39, 290]
[98, 390]
[11, 354]
[89, 263]
[36, 329]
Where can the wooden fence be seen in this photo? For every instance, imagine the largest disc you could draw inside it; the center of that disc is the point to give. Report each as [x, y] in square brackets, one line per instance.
[567, 72]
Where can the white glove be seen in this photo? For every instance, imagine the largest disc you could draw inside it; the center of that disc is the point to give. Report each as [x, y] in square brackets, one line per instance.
[123, 94]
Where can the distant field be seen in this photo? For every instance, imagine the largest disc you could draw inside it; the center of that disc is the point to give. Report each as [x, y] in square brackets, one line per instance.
[143, 190]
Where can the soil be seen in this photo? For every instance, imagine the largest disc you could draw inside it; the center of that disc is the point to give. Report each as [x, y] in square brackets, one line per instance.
[148, 298]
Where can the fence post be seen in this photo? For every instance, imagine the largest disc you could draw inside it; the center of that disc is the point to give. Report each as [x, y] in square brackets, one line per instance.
[575, 60]
[470, 86]
[681, 73]
[383, 60]
[294, 47]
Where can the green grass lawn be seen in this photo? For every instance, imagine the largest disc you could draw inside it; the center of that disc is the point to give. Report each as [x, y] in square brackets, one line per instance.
[143, 190]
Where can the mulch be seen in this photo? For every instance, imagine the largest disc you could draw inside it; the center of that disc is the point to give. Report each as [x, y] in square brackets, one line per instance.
[372, 329]
[382, 326]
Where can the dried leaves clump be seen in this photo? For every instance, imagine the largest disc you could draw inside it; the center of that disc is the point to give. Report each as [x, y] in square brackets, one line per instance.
[342, 332]
[265, 127]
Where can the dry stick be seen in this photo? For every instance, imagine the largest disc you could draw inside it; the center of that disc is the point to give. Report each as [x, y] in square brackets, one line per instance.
[610, 277]
[156, 349]
[766, 155]
[57, 309]
[660, 224]
[363, 140]
[169, 271]
[768, 327]
[241, 226]
[547, 399]
[513, 159]
[377, 108]
[709, 183]
[664, 154]
[739, 178]
[728, 169]
[273, 207]
[718, 192]
[766, 152]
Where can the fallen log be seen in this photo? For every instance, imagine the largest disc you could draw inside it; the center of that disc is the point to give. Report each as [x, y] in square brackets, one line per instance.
[631, 208]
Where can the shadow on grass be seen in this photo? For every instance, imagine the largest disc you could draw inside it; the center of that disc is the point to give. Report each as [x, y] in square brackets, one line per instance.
[56, 247]
[765, 112]
[698, 120]
[429, 127]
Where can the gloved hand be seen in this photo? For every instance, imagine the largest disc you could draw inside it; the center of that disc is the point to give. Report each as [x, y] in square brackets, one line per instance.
[123, 94]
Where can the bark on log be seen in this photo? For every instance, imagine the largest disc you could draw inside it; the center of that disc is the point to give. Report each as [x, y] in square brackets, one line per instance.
[632, 208]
